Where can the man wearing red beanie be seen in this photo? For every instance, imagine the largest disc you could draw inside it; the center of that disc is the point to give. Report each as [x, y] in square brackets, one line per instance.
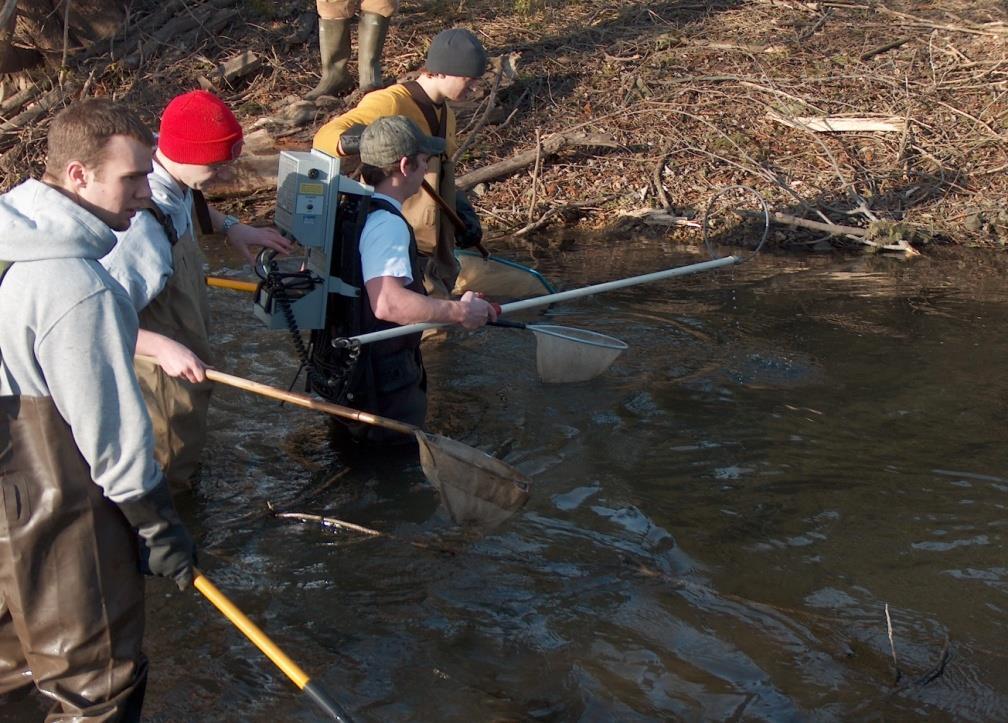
[159, 262]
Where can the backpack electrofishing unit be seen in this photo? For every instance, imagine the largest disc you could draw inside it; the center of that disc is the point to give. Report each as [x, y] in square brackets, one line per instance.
[325, 213]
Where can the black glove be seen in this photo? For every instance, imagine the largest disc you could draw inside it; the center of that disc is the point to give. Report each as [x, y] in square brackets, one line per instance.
[350, 140]
[473, 232]
[165, 546]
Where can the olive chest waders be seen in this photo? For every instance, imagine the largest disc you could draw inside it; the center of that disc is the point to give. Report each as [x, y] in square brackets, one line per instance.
[435, 237]
[178, 408]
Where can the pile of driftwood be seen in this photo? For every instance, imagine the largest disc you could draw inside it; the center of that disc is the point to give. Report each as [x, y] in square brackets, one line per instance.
[870, 124]
[864, 124]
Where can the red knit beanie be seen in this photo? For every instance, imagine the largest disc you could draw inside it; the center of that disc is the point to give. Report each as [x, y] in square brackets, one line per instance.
[198, 129]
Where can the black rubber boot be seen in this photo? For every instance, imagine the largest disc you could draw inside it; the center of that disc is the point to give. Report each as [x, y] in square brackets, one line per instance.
[370, 38]
[334, 47]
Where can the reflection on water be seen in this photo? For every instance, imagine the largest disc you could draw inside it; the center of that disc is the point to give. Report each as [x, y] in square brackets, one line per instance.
[716, 528]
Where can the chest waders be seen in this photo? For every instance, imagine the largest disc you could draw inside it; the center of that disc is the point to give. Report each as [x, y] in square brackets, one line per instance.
[178, 408]
[71, 594]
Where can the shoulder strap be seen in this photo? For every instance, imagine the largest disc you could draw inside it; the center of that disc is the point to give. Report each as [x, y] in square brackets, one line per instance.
[166, 223]
[199, 205]
[376, 204]
[438, 124]
[202, 212]
[382, 204]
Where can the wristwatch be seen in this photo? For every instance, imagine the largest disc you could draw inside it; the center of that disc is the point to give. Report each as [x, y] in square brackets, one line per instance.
[229, 221]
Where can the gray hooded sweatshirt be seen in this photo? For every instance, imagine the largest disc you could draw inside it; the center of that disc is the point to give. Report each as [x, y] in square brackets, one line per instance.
[68, 331]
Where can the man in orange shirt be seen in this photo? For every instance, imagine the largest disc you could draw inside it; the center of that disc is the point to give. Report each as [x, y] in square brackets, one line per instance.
[455, 63]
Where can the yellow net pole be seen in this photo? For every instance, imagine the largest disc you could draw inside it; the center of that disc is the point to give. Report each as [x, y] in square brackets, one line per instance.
[250, 630]
[233, 284]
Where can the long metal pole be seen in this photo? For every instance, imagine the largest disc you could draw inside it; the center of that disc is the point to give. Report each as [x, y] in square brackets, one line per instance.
[563, 296]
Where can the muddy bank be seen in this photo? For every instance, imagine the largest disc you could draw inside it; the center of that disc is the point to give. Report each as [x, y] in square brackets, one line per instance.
[887, 119]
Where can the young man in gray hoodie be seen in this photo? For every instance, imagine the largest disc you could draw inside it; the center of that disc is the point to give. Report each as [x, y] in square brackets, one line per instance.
[85, 506]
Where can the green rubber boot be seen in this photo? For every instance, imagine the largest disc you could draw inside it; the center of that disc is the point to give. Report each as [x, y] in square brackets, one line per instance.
[334, 47]
[370, 38]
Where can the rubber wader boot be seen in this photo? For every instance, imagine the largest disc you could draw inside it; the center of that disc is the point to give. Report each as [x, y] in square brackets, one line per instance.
[334, 47]
[370, 38]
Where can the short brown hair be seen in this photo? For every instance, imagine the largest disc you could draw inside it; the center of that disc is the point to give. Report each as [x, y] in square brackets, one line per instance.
[373, 175]
[81, 132]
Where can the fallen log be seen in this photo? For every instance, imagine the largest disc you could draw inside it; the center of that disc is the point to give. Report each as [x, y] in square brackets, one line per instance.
[256, 171]
[35, 104]
[251, 173]
[657, 217]
[9, 130]
[20, 99]
[124, 44]
[551, 144]
[210, 17]
[230, 71]
[855, 233]
[831, 228]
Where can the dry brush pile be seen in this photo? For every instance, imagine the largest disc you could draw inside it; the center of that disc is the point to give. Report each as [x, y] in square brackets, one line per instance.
[865, 124]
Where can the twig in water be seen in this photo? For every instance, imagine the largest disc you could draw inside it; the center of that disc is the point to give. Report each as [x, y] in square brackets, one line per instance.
[317, 489]
[327, 522]
[939, 669]
[342, 524]
[272, 510]
[892, 644]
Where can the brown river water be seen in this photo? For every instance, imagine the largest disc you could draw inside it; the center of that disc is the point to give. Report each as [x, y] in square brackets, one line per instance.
[716, 528]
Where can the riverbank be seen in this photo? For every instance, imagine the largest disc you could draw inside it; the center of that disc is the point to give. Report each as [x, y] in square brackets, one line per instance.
[881, 123]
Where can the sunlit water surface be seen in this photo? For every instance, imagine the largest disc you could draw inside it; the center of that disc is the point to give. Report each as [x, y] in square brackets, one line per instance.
[717, 524]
